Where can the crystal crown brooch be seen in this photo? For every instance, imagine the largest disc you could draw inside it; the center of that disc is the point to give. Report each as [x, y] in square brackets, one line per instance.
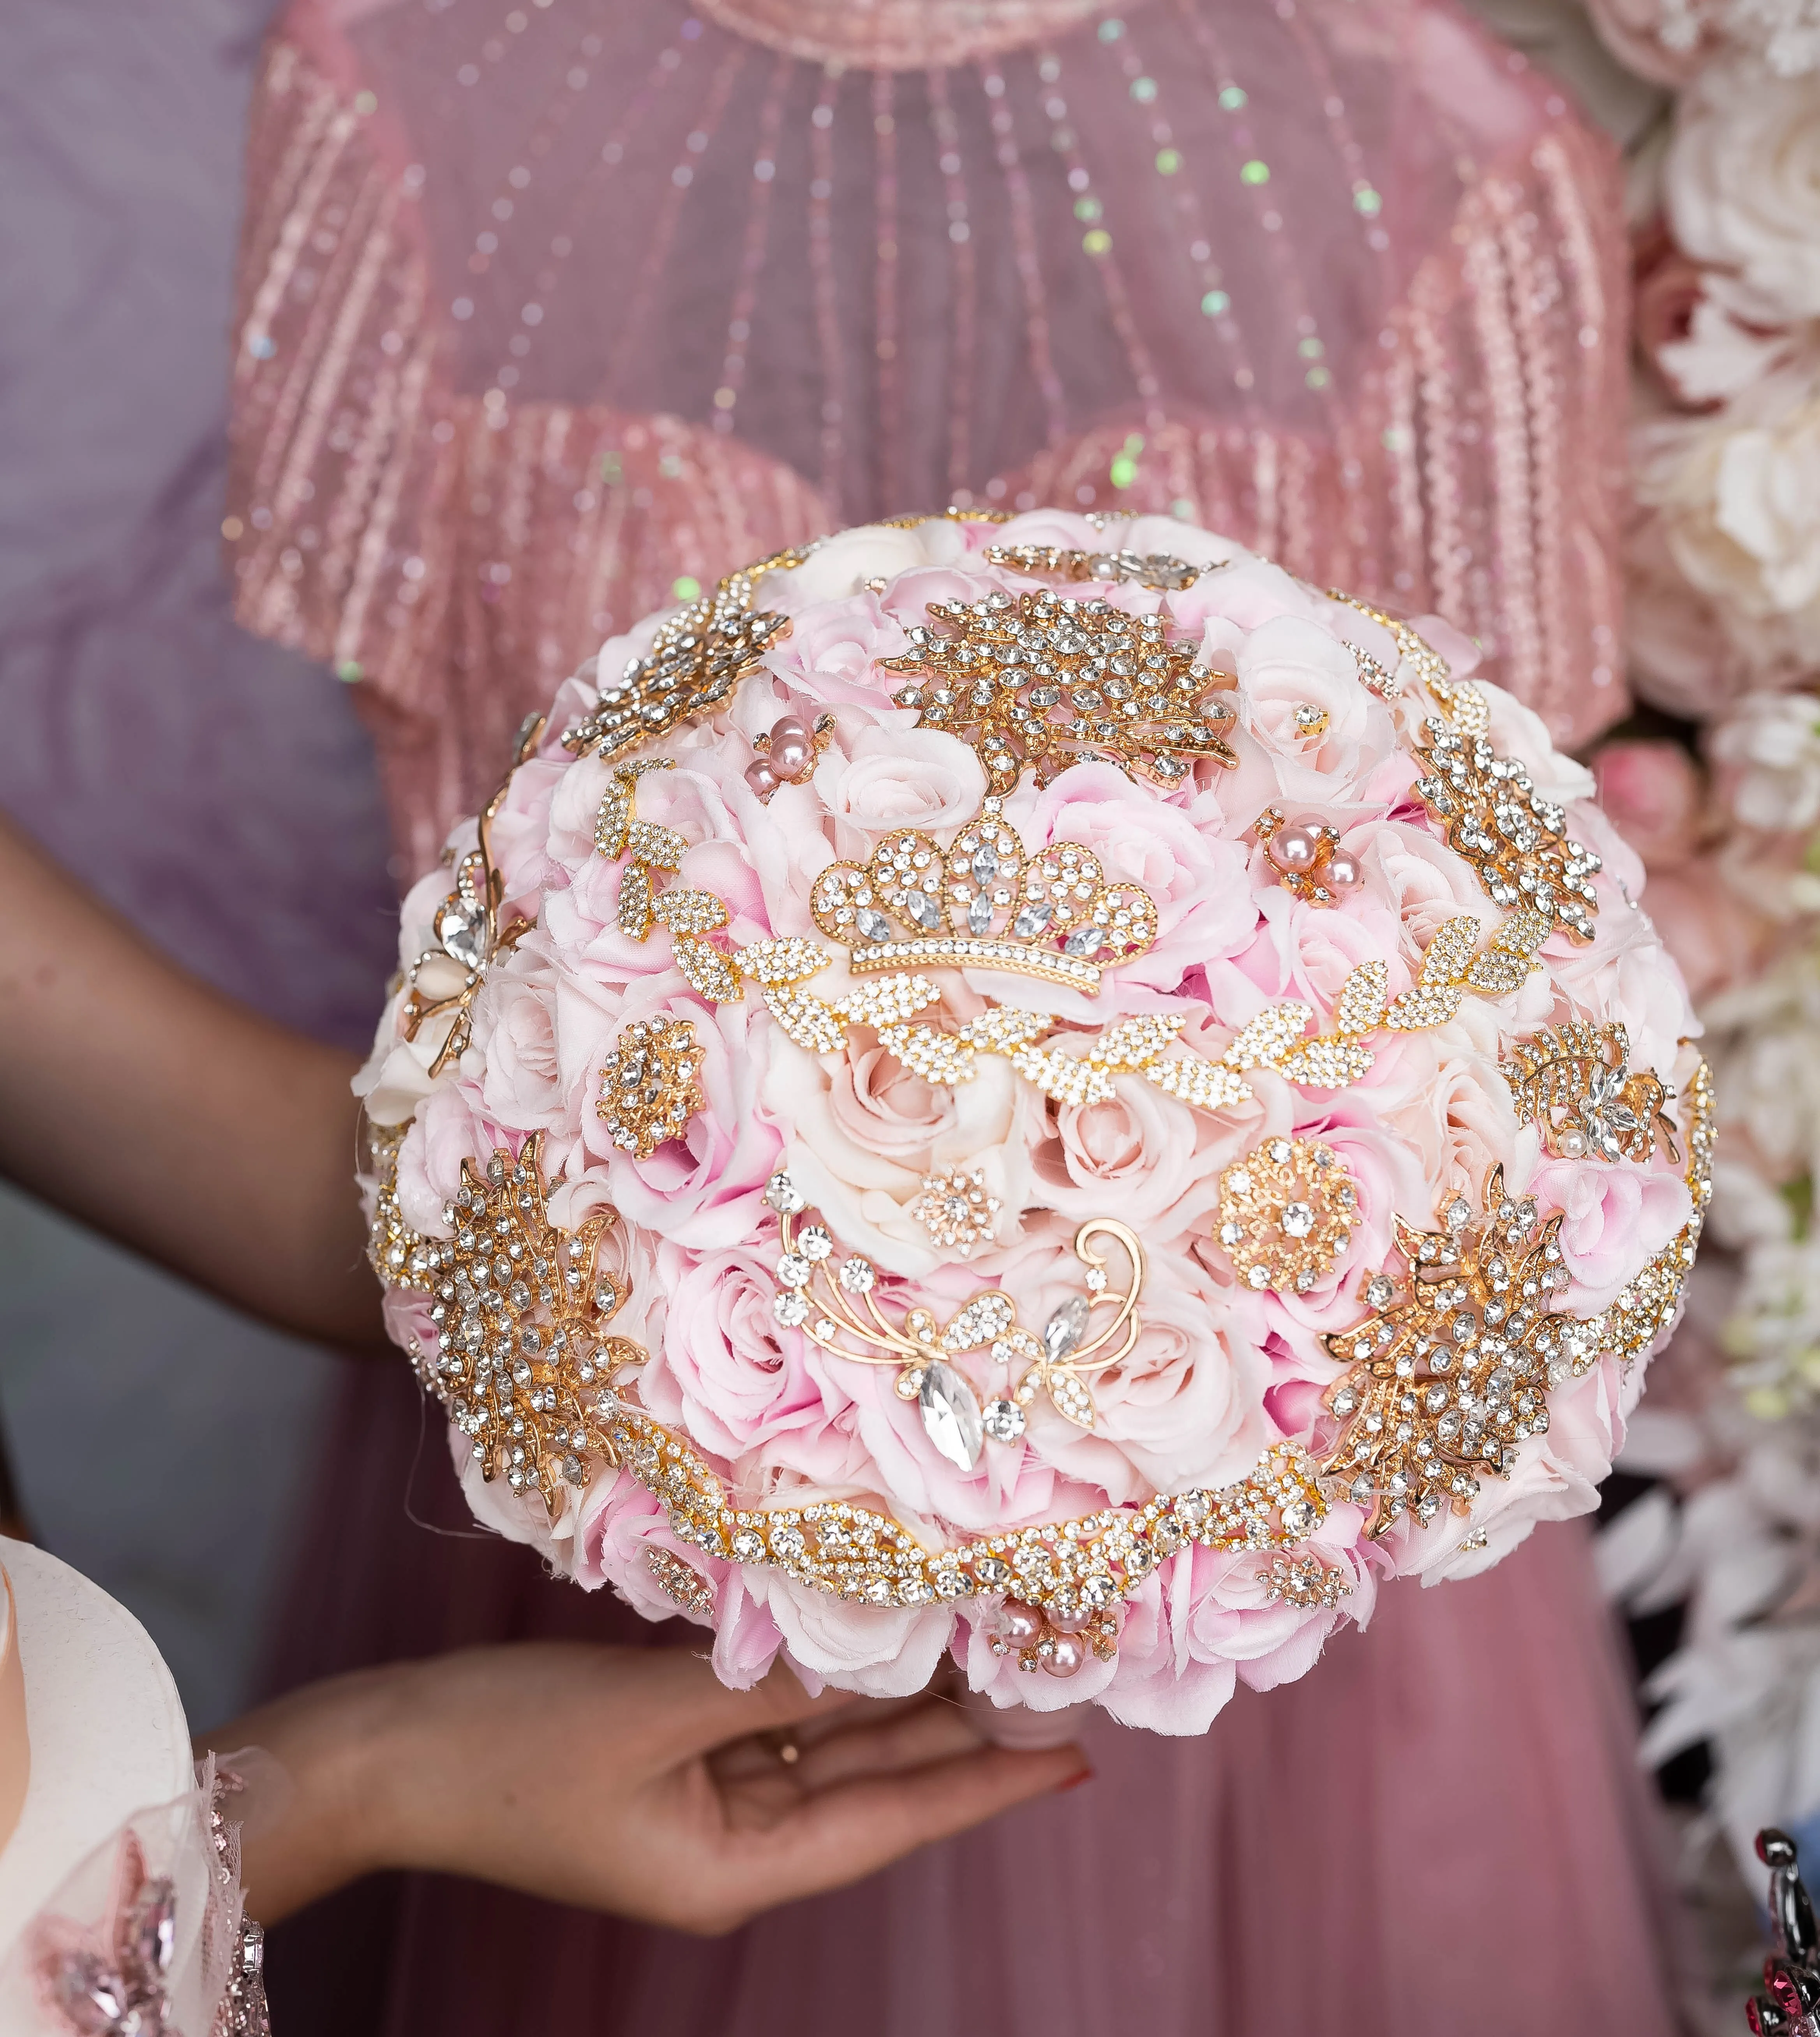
[984, 902]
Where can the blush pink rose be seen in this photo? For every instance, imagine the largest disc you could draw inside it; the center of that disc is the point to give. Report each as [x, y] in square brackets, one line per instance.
[513, 1041]
[449, 1129]
[899, 778]
[879, 1651]
[831, 654]
[863, 1132]
[1288, 668]
[1145, 1155]
[1187, 1408]
[728, 1372]
[1652, 793]
[619, 1523]
[1615, 1216]
[701, 1190]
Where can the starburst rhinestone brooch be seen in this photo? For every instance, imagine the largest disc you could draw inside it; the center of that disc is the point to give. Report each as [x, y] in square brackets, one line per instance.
[956, 1209]
[1450, 1370]
[1286, 1211]
[523, 1360]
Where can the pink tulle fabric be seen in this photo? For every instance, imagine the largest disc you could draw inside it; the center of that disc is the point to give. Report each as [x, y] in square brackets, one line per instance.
[543, 310]
[548, 311]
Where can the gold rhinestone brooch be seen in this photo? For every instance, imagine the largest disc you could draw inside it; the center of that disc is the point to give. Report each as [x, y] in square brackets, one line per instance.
[650, 1085]
[1286, 1211]
[1033, 681]
[1574, 1081]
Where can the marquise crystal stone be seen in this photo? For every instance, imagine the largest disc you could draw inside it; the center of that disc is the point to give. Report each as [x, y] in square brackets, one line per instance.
[1066, 1327]
[951, 1415]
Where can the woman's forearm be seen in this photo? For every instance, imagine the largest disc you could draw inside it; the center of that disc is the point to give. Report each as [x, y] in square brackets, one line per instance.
[171, 1118]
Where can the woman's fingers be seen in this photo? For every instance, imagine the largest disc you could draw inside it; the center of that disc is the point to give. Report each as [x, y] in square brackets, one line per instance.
[852, 1828]
[699, 1712]
[936, 1731]
[869, 1738]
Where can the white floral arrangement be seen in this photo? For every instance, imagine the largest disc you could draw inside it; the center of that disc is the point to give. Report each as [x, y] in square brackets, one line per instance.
[1724, 634]
[1039, 1092]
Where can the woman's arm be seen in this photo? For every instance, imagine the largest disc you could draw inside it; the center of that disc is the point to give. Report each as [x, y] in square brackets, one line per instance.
[623, 1779]
[170, 1117]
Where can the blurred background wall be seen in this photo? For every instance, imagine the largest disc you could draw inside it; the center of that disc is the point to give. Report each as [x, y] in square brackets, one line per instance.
[216, 790]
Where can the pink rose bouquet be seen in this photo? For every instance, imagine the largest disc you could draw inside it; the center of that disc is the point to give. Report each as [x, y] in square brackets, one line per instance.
[1038, 1094]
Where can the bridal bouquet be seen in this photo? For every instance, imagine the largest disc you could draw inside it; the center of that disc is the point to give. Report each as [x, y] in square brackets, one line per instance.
[1038, 1090]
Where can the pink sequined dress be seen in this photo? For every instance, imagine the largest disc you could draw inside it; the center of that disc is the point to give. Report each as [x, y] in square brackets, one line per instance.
[552, 310]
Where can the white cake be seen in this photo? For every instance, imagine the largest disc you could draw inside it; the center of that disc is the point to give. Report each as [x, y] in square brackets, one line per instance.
[106, 1727]
[116, 1910]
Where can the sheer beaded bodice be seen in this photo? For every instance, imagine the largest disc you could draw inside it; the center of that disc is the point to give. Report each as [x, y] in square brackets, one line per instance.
[548, 308]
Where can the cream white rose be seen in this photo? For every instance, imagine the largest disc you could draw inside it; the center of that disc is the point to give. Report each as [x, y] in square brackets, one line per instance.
[1767, 749]
[1735, 499]
[1741, 184]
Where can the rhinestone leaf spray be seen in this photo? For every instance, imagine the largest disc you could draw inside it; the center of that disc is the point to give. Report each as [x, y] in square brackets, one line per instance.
[695, 661]
[1036, 681]
[1515, 839]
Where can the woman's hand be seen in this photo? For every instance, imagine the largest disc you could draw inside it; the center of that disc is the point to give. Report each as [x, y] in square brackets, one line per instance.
[623, 1779]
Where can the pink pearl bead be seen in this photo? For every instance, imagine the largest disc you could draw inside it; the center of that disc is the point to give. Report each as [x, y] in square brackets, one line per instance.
[1293, 848]
[1342, 870]
[1021, 1624]
[790, 755]
[761, 778]
[1071, 1653]
[1070, 1623]
[792, 749]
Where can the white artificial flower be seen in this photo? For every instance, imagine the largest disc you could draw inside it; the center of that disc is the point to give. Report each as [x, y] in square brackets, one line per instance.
[1741, 184]
[1667, 40]
[1768, 748]
[1722, 353]
[1731, 501]
[1775, 1335]
[1763, 1041]
[1745, 1681]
